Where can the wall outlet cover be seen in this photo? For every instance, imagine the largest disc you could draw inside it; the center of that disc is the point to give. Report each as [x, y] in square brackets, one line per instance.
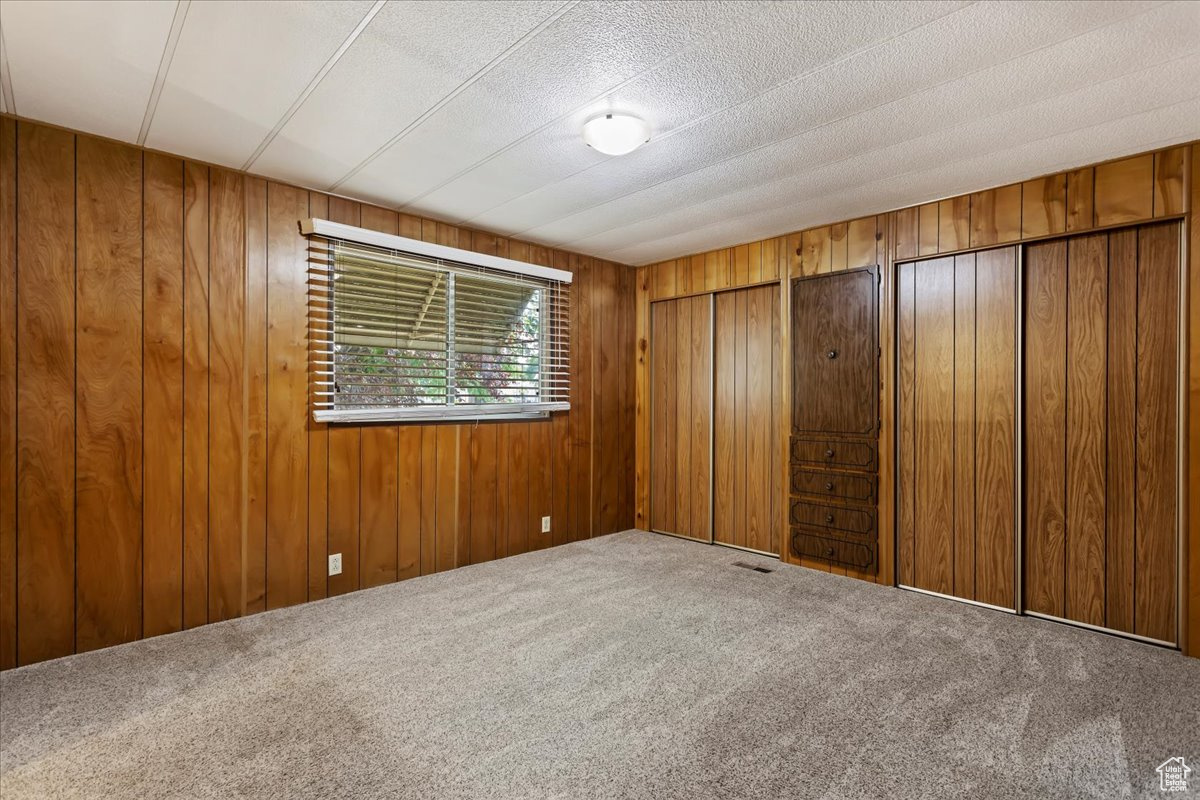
[335, 564]
[545, 524]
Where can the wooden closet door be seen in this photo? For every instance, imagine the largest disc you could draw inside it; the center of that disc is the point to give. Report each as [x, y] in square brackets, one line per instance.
[957, 425]
[680, 417]
[1101, 412]
[746, 419]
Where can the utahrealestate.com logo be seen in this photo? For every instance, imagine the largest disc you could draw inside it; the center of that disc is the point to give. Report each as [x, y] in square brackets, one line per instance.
[1173, 775]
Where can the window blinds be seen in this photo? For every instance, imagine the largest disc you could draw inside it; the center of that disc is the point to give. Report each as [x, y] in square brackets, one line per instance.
[398, 335]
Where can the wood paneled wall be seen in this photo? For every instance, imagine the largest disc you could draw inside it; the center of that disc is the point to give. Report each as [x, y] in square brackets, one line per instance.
[957, 425]
[747, 381]
[682, 403]
[159, 468]
[1101, 416]
[1148, 186]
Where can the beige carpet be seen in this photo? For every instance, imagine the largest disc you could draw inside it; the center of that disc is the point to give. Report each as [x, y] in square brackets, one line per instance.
[632, 665]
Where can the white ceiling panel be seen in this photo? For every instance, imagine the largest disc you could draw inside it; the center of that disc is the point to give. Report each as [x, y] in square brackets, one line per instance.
[767, 116]
[708, 78]
[238, 67]
[584, 54]
[85, 65]
[410, 58]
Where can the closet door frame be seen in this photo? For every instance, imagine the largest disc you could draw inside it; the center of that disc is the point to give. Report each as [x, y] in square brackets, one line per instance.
[1018, 531]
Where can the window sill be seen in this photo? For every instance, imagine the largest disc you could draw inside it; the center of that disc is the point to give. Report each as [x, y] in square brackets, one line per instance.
[497, 411]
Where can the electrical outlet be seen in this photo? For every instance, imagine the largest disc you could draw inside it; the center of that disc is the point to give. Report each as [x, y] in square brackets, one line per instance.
[335, 564]
[545, 524]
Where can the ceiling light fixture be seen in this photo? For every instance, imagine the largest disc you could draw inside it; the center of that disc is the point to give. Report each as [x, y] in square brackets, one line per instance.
[616, 134]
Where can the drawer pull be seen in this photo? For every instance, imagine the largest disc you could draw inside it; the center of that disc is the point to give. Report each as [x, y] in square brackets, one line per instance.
[829, 518]
[832, 354]
[829, 486]
[829, 454]
[829, 552]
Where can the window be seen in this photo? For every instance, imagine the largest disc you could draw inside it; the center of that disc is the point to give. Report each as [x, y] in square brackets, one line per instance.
[405, 336]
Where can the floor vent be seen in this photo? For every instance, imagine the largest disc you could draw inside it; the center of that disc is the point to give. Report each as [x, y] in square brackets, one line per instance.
[754, 567]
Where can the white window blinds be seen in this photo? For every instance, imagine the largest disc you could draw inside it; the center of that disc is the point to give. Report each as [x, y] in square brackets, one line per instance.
[400, 335]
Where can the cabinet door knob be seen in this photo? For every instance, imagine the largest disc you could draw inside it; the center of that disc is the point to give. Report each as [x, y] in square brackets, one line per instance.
[829, 552]
[832, 354]
[829, 453]
[829, 517]
[829, 487]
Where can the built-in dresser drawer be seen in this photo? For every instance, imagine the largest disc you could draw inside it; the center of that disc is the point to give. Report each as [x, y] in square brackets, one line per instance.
[860, 488]
[859, 520]
[851, 455]
[851, 554]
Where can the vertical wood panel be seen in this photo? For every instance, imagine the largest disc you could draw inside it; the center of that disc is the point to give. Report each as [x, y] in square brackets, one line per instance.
[108, 394]
[663, 387]
[580, 418]
[683, 415]
[725, 412]
[954, 224]
[1044, 206]
[1156, 499]
[927, 229]
[838, 246]
[1087, 323]
[162, 511]
[1120, 475]
[1169, 181]
[227, 340]
[760, 462]
[774, 260]
[965, 427]
[287, 399]
[1124, 190]
[196, 280]
[256, 376]
[1080, 199]
[45, 393]
[408, 502]
[1191, 506]
[860, 243]
[642, 412]
[906, 222]
[541, 487]
[934, 473]
[1045, 426]
[483, 452]
[995, 427]
[700, 458]
[816, 254]
[741, 265]
[906, 424]
[741, 381]
[516, 480]
[996, 216]
[8, 393]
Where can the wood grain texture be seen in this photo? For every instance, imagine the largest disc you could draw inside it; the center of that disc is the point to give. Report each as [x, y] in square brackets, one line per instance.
[1044, 206]
[906, 225]
[1124, 190]
[8, 393]
[838, 246]
[227, 393]
[45, 334]
[317, 434]
[1080, 199]
[906, 526]
[927, 229]
[965, 426]
[954, 224]
[1121, 473]
[1156, 500]
[995, 427]
[861, 243]
[725, 416]
[816, 252]
[700, 484]
[642, 439]
[108, 394]
[1087, 323]
[196, 280]
[162, 376]
[1190, 505]
[934, 439]
[1045, 426]
[254, 366]
[1169, 181]
[663, 383]
[996, 216]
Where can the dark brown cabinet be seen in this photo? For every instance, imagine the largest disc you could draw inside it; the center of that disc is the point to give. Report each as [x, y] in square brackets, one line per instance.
[835, 419]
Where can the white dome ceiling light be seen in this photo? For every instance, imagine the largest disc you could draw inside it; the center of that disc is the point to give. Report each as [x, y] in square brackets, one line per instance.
[616, 134]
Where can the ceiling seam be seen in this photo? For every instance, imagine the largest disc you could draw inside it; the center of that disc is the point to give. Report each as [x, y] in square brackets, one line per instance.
[7, 99]
[314, 83]
[164, 66]
[991, 154]
[773, 142]
[439, 105]
[698, 120]
[595, 99]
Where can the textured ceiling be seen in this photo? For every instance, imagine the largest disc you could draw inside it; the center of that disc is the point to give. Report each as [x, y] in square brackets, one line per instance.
[767, 117]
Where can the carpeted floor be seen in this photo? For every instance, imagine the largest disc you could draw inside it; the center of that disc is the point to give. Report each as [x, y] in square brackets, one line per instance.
[631, 665]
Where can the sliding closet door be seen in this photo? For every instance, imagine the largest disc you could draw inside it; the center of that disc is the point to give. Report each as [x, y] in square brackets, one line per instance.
[747, 370]
[957, 426]
[1101, 412]
[681, 417]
